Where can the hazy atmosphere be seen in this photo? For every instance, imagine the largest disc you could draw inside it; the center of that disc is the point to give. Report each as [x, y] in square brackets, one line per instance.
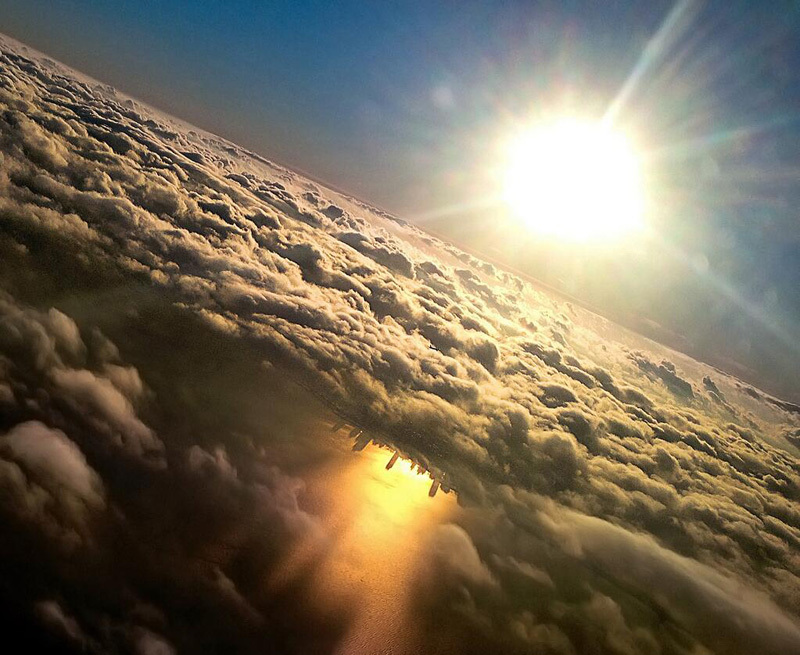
[424, 328]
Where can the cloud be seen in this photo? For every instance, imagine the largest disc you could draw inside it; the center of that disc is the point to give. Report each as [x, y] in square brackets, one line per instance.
[693, 594]
[51, 457]
[453, 550]
[46, 361]
[48, 484]
[97, 397]
[177, 318]
[54, 616]
[149, 643]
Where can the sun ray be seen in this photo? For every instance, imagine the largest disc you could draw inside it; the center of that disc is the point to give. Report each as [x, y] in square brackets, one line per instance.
[675, 24]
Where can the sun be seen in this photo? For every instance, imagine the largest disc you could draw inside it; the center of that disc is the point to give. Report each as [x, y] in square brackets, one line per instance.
[575, 180]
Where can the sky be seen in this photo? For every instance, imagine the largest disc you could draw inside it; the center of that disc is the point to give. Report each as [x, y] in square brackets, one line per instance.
[242, 412]
[372, 97]
[404, 104]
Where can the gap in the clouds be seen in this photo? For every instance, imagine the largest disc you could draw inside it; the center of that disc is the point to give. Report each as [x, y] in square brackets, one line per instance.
[377, 527]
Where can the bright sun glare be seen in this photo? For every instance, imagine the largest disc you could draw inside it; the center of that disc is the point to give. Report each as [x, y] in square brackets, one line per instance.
[575, 180]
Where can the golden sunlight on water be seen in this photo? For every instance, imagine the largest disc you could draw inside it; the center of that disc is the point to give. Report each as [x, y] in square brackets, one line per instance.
[377, 526]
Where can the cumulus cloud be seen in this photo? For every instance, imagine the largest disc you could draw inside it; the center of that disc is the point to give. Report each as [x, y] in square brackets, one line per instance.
[48, 485]
[692, 594]
[54, 617]
[53, 458]
[453, 550]
[178, 314]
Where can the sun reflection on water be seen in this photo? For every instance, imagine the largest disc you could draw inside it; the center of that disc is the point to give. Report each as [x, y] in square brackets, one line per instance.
[376, 524]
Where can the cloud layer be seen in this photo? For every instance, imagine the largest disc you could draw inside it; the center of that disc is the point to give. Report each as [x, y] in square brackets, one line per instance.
[179, 315]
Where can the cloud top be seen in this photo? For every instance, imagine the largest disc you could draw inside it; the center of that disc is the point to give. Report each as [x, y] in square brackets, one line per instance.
[179, 316]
